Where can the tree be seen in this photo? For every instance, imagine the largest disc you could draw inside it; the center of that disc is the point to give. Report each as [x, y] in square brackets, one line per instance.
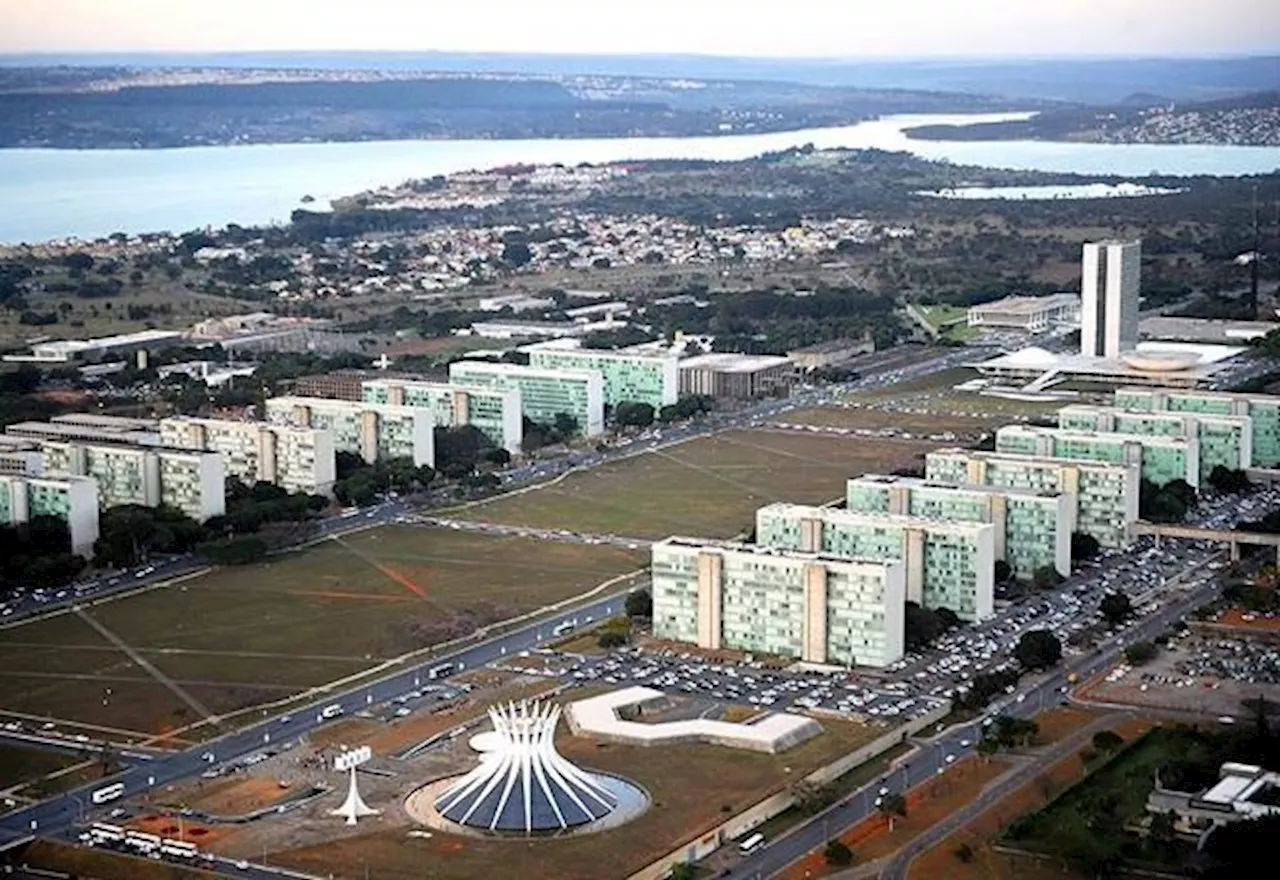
[987, 747]
[1115, 608]
[837, 854]
[891, 806]
[632, 414]
[964, 853]
[611, 639]
[1107, 741]
[1038, 649]
[1140, 653]
[516, 254]
[1229, 482]
[683, 871]
[1002, 572]
[1083, 546]
[924, 625]
[811, 797]
[1046, 577]
[639, 603]
[566, 425]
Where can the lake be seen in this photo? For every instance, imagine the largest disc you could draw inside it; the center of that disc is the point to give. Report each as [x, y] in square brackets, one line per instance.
[1041, 193]
[47, 194]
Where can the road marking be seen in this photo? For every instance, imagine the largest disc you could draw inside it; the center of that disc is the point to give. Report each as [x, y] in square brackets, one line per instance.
[145, 664]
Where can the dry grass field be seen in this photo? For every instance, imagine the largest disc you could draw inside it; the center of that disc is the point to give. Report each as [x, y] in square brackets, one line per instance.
[707, 487]
[242, 636]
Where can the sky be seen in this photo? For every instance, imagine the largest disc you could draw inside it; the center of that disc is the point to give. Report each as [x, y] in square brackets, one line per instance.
[809, 28]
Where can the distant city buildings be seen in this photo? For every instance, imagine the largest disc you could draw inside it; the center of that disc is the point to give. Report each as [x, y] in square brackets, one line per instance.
[813, 607]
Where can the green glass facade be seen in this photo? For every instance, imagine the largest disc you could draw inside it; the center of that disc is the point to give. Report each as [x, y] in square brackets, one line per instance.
[1263, 412]
[1105, 496]
[634, 378]
[1033, 526]
[948, 564]
[806, 606]
[1223, 440]
[495, 412]
[1163, 459]
[544, 393]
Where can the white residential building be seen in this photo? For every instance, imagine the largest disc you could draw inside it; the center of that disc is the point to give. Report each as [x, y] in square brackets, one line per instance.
[295, 459]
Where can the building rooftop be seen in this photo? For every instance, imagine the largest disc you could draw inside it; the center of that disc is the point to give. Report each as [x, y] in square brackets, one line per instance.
[734, 363]
[1150, 361]
[826, 347]
[920, 483]
[1105, 436]
[779, 552]
[1042, 460]
[838, 515]
[1027, 305]
[1201, 330]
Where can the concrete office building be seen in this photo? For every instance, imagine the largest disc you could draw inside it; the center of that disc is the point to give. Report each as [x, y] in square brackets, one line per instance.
[1032, 314]
[494, 411]
[1111, 274]
[544, 392]
[628, 376]
[295, 459]
[948, 564]
[1263, 411]
[1163, 459]
[74, 500]
[1225, 441]
[372, 431]
[193, 482]
[739, 376]
[1032, 526]
[77, 430]
[1105, 495]
[820, 609]
[830, 353]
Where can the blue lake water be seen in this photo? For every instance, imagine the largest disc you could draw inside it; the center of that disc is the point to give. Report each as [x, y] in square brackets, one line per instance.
[47, 194]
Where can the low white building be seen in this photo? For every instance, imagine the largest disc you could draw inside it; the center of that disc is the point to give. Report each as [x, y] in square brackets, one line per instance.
[1034, 314]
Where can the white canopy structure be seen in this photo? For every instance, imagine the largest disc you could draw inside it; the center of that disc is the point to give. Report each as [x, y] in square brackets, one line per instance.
[525, 785]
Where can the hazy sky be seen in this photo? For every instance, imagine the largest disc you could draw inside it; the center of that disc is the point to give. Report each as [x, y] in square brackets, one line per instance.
[834, 28]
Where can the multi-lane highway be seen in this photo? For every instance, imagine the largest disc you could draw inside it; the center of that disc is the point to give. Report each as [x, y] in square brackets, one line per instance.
[1032, 695]
[58, 813]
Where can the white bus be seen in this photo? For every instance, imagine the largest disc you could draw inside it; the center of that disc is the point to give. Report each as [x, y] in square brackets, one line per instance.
[440, 671]
[179, 848]
[108, 793]
[104, 828]
[751, 844]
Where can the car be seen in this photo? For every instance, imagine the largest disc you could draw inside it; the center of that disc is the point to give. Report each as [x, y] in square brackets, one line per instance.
[950, 759]
[964, 743]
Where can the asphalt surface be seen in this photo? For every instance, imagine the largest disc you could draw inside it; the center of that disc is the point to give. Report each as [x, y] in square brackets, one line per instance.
[1037, 693]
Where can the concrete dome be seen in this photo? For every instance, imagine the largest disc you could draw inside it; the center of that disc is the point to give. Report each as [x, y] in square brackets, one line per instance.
[1160, 361]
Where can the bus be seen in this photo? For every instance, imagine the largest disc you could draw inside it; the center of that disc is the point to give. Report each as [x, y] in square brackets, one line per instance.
[751, 844]
[179, 848]
[104, 828]
[107, 793]
[440, 671]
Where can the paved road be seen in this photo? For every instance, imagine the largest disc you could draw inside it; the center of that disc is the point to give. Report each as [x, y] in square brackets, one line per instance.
[1035, 693]
[58, 813]
[1005, 786]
